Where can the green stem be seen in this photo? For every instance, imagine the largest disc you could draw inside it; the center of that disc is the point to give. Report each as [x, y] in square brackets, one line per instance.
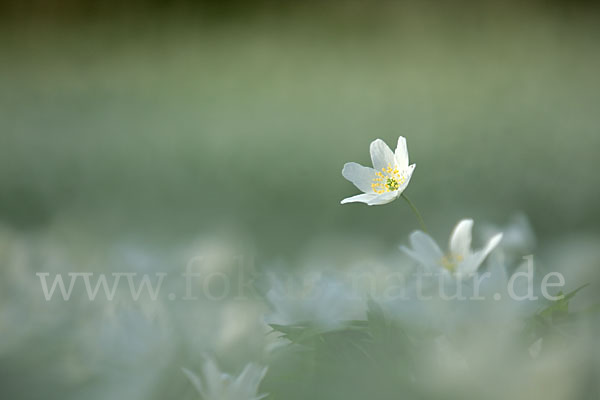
[417, 213]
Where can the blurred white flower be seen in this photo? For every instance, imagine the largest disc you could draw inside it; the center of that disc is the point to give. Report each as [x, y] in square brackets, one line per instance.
[518, 236]
[387, 179]
[317, 299]
[217, 385]
[460, 259]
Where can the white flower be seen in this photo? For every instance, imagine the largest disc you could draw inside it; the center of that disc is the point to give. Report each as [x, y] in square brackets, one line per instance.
[216, 385]
[315, 298]
[460, 259]
[386, 180]
[519, 238]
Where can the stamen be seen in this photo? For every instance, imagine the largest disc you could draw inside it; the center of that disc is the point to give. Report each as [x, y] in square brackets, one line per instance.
[388, 180]
[450, 262]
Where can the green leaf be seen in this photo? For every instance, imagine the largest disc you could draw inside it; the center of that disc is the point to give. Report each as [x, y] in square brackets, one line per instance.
[297, 333]
[560, 308]
[551, 318]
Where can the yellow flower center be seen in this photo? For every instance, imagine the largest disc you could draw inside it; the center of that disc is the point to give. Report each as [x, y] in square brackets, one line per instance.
[388, 180]
[450, 262]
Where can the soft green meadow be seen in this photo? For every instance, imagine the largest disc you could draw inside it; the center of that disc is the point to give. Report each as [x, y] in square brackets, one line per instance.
[206, 154]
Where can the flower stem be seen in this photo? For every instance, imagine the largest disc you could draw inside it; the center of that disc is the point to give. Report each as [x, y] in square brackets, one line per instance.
[417, 213]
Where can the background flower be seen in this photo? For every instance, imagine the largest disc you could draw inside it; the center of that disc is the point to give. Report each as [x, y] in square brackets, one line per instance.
[216, 385]
[460, 259]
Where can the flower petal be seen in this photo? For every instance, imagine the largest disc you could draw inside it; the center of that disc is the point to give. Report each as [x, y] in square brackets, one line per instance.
[359, 198]
[196, 382]
[381, 155]
[489, 247]
[460, 240]
[424, 250]
[246, 384]
[401, 153]
[384, 198]
[361, 177]
[418, 257]
[213, 377]
[408, 173]
[474, 261]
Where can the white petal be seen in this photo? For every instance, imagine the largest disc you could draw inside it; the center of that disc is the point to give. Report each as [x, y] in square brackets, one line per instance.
[401, 153]
[361, 177]
[246, 384]
[467, 266]
[384, 198]
[381, 155]
[214, 379]
[491, 245]
[408, 173]
[359, 198]
[424, 249]
[422, 259]
[474, 261]
[195, 380]
[460, 240]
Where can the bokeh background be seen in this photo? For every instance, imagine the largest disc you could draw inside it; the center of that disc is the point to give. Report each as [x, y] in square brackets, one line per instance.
[157, 120]
[132, 130]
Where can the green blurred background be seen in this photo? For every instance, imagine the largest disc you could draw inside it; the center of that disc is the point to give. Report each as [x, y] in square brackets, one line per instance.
[165, 120]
